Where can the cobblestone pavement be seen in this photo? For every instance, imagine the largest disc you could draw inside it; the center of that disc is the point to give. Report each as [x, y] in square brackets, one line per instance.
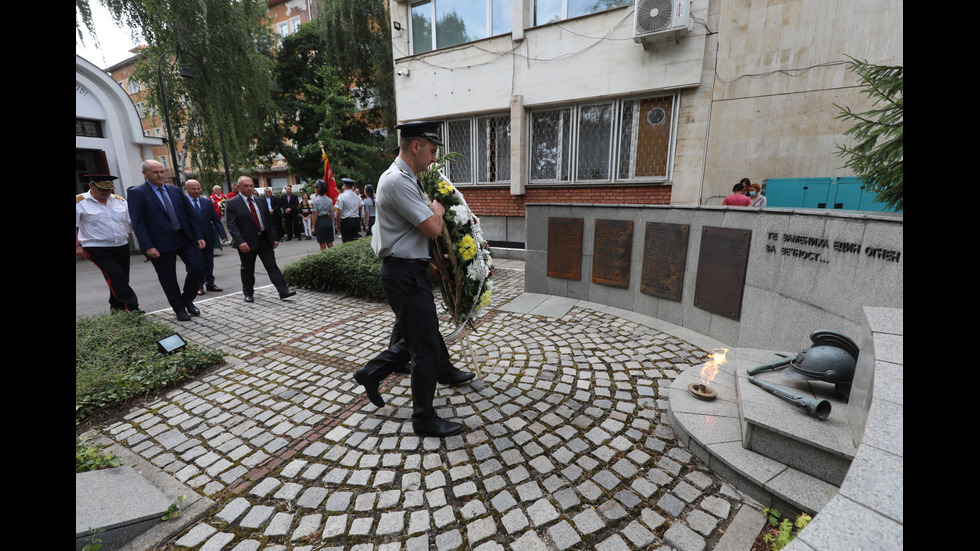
[566, 443]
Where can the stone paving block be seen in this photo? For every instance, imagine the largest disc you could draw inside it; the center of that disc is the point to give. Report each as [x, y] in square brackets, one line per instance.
[308, 525]
[682, 538]
[480, 529]
[563, 535]
[588, 521]
[702, 522]
[449, 541]
[279, 525]
[391, 523]
[542, 512]
[515, 521]
[233, 510]
[673, 506]
[614, 543]
[257, 516]
[639, 535]
[196, 536]
[217, 541]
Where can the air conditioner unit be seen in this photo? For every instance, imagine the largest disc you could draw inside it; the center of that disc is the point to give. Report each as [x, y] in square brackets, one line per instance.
[656, 20]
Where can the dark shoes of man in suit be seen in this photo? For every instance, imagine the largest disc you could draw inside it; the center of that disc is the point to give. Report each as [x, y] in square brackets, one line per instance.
[182, 314]
[286, 295]
[248, 298]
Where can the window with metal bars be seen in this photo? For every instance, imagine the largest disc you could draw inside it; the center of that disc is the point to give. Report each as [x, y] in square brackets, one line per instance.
[617, 140]
[484, 143]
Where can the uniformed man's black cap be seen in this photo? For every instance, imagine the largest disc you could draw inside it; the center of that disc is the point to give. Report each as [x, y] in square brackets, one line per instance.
[421, 129]
[102, 181]
[348, 181]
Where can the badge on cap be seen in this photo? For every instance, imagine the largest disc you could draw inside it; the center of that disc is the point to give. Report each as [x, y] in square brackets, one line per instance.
[102, 181]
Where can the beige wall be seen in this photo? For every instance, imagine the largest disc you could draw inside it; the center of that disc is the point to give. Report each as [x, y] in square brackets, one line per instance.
[780, 73]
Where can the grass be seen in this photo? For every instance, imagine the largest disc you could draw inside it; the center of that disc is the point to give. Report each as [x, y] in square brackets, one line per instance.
[116, 360]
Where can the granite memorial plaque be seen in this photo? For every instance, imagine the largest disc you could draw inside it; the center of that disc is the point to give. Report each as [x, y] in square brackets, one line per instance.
[565, 247]
[664, 260]
[722, 263]
[611, 251]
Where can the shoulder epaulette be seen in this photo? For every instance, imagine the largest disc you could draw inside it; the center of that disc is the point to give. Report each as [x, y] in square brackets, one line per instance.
[118, 197]
[79, 198]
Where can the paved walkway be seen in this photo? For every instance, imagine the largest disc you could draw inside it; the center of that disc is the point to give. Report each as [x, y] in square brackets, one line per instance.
[566, 441]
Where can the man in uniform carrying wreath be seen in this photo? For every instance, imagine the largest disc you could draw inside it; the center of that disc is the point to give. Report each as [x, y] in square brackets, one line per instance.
[406, 220]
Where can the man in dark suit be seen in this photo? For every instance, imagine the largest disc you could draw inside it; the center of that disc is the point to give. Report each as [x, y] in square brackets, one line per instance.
[166, 228]
[275, 209]
[290, 213]
[253, 234]
[210, 227]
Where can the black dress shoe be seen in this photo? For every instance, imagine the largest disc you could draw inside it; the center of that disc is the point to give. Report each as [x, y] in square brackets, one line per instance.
[213, 287]
[287, 294]
[455, 377]
[248, 298]
[370, 388]
[436, 426]
[192, 310]
[182, 315]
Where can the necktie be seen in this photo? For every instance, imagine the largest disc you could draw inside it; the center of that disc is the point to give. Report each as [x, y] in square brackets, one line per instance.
[255, 214]
[197, 203]
[174, 224]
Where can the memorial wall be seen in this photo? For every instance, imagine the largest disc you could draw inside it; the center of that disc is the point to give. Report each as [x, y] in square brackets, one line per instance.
[746, 277]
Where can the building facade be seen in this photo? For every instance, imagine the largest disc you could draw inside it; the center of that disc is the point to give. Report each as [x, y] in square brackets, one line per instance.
[614, 101]
[109, 133]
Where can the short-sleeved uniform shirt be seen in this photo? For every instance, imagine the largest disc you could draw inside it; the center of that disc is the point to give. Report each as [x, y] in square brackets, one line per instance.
[101, 225]
[322, 205]
[401, 206]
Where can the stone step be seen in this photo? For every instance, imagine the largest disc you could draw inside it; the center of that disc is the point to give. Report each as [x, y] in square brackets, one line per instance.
[114, 506]
[784, 431]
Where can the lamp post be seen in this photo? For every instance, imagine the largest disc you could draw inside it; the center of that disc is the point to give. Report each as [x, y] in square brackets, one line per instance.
[185, 72]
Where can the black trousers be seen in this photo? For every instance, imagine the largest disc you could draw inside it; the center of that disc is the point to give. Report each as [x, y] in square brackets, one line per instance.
[267, 255]
[166, 268]
[415, 338]
[349, 229]
[114, 264]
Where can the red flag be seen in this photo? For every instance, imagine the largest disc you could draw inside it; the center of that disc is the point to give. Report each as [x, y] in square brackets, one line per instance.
[328, 178]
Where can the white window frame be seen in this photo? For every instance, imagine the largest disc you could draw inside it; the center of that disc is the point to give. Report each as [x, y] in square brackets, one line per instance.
[432, 19]
[564, 12]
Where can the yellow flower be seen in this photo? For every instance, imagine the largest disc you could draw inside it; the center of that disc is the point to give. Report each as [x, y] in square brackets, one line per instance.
[467, 248]
[485, 299]
[445, 188]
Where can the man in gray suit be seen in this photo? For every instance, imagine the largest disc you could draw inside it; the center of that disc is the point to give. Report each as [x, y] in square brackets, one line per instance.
[254, 235]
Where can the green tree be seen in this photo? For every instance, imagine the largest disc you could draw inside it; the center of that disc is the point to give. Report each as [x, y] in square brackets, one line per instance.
[355, 151]
[358, 45]
[227, 44]
[292, 129]
[876, 155]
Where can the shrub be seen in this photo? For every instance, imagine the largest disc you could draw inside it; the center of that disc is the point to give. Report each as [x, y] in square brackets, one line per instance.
[350, 268]
[116, 359]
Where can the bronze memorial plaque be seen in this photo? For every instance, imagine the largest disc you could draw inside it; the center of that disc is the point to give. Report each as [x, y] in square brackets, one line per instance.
[664, 259]
[611, 250]
[721, 270]
[565, 247]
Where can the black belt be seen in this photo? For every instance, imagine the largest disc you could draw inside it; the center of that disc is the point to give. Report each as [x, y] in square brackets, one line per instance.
[418, 261]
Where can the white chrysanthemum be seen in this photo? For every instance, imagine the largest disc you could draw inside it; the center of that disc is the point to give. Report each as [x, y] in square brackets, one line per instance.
[461, 214]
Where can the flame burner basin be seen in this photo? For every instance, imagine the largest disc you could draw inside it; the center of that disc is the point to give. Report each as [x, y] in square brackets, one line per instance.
[702, 391]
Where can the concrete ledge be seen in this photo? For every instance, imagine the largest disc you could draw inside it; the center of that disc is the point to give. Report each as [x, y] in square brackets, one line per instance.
[127, 503]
